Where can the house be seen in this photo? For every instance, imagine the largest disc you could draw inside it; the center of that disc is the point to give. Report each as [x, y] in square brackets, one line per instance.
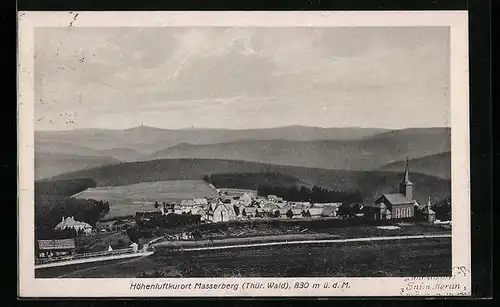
[315, 212]
[249, 211]
[301, 205]
[282, 205]
[50, 248]
[274, 198]
[198, 211]
[187, 203]
[394, 206]
[283, 212]
[200, 201]
[70, 223]
[259, 212]
[297, 213]
[118, 225]
[269, 207]
[428, 214]
[135, 247]
[324, 205]
[223, 213]
[246, 199]
[329, 211]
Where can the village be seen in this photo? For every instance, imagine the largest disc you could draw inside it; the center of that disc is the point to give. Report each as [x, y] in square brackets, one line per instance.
[238, 204]
[113, 237]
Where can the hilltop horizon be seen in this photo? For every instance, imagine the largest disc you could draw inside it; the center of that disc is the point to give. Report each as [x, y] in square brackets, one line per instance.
[238, 129]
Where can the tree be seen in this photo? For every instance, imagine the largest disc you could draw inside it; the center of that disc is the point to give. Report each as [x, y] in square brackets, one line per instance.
[289, 213]
[156, 205]
[236, 210]
[196, 234]
[276, 214]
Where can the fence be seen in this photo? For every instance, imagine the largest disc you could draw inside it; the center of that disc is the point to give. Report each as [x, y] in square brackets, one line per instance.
[86, 255]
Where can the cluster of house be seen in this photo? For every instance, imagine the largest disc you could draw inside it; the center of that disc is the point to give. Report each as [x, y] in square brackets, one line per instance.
[245, 204]
[233, 204]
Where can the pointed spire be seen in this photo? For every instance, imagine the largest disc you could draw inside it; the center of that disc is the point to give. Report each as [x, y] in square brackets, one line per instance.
[429, 202]
[406, 171]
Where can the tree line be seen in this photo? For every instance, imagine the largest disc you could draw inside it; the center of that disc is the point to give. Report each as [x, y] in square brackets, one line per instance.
[53, 202]
[315, 194]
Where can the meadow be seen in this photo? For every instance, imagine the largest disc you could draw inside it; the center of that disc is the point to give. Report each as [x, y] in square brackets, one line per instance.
[140, 197]
[427, 257]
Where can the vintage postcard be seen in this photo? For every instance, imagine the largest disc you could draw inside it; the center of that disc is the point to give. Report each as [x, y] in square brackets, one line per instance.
[213, 154]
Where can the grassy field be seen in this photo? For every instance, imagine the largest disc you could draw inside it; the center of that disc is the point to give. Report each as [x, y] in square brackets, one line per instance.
[419, 257]
[140, 197]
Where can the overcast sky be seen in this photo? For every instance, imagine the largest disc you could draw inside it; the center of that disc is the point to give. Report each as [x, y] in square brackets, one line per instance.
[241, 77]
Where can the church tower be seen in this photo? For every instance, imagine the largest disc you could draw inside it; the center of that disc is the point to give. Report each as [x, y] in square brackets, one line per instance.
[406, 186]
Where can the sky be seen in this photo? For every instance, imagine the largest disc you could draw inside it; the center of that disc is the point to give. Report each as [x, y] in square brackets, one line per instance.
[241, 78]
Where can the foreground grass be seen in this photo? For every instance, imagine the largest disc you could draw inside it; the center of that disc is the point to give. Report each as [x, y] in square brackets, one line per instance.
[416, 257]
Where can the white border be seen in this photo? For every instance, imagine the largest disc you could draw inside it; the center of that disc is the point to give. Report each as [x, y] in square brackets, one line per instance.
[456, 20]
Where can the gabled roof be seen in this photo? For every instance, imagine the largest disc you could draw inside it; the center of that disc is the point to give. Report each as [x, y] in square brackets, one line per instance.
[226, 207]
[396, 199]
[63, 244]
[284, 211]
[270, 206]
[282, 205]
[323, 205]
[428, 210]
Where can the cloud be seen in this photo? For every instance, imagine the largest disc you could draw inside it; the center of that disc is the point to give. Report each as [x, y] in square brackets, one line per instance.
[124, 76]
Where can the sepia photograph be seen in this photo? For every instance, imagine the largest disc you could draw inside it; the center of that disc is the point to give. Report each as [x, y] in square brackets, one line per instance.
[235, 151]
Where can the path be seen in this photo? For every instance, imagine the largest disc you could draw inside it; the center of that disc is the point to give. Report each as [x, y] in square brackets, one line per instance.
[92, 259]
[98, 267]
[317, 241]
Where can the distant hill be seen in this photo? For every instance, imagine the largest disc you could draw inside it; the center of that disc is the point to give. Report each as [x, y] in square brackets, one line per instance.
[360, 154]
[370, 183]
[438, 165]
[122, 154]
[52, 164]
[150, 139]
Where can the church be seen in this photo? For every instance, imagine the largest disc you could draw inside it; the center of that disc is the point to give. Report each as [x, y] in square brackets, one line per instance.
[394, 206]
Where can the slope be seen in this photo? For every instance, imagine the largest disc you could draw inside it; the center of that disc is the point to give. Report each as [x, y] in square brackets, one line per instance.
[52, 164]
[361, 154]
[369, 183]
[438, 165]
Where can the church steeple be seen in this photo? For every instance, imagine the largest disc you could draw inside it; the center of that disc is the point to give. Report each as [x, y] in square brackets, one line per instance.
[407, 176]
[406, 186]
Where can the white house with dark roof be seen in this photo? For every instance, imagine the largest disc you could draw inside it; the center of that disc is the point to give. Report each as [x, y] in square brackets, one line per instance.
[70, 223]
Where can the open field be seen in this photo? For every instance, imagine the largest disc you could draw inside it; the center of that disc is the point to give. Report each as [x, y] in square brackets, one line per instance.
[129, 199]
[415, 257]
[251, 235]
